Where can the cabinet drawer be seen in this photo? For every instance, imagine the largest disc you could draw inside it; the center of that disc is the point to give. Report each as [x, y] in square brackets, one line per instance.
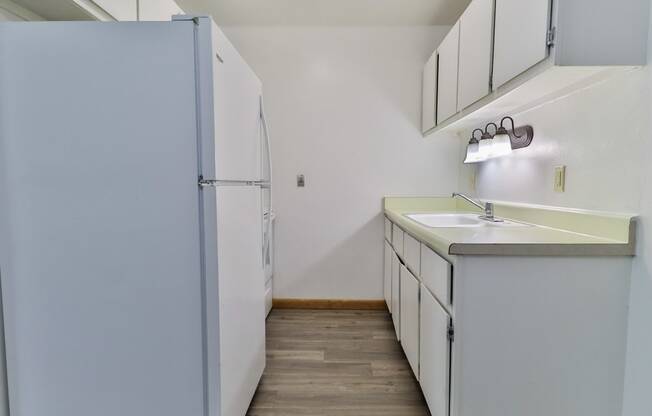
[397, 240]
[388, 230]
[436, 274]
[412, 254]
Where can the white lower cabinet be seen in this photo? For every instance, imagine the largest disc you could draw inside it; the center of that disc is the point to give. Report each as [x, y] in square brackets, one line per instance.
[470, 326]
[435, 354]
[396, 300]
[410, 318]
[387, 276]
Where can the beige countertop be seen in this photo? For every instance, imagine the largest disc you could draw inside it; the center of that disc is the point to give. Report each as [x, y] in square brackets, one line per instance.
[550, 231]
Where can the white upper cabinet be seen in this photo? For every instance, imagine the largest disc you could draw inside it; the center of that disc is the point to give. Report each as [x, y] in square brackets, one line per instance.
[505, 56]
[122, 10]
[520, 37]
[476, 28]
[447, 78]
[149, 10]
[429, 94]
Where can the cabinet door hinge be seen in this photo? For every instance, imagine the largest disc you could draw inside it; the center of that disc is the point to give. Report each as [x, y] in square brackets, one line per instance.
[550, 38]
[451, 332]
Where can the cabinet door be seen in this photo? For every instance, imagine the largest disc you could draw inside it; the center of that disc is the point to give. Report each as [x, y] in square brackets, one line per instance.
[396, 300]
[410, 318]
[476, 26]
[429, 94]
[436, 274]
[149, 10]
[447, 76]
[387, 276]
[520, 37]
[121, 10]
[435, 354]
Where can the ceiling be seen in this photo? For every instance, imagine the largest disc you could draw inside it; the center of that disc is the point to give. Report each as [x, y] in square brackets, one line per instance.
[328, 12]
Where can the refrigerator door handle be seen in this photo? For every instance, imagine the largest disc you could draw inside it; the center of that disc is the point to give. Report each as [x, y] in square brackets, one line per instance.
[213, 183]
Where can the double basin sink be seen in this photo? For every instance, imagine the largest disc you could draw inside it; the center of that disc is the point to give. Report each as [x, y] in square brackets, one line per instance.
[456, 220]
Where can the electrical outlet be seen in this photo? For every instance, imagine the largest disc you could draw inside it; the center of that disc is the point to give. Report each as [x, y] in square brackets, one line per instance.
[560, 178]
[301, 181]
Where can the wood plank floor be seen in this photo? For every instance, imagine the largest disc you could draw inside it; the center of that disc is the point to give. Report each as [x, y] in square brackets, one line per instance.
[339, 363]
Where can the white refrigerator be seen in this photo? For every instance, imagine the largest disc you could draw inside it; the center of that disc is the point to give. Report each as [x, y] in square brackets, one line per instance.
[132, 219]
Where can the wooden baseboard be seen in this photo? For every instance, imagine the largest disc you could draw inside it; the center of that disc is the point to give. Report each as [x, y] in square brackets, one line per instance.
[333, 304]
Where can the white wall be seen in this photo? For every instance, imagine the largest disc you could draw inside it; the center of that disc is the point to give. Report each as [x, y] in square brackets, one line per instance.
[344, 110]
[598, 133]
[604, 136]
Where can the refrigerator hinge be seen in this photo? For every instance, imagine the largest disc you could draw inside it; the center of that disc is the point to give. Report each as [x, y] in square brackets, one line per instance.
[451, 333]
[550, 38]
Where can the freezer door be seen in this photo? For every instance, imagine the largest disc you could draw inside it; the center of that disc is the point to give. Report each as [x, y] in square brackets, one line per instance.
[238, 129]
[242, 295]
[99, 225]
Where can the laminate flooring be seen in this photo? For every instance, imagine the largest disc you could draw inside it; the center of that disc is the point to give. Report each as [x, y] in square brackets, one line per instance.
[335, 363]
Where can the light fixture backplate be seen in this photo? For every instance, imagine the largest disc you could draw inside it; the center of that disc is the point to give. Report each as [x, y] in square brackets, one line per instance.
[526, 134]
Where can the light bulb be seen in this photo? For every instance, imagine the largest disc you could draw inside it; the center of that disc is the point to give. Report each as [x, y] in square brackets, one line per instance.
[486, 148]
[473, 153]
[502, 144]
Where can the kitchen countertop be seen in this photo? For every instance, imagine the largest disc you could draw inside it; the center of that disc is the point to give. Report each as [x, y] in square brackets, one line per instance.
[552, 231]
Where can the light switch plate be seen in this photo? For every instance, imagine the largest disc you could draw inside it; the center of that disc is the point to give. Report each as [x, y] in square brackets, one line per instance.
[560, 178]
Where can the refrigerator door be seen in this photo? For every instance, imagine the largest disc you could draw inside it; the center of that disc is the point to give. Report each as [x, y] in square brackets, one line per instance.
[230, 149]
[238, 130]
[241, 294]
[99, 227]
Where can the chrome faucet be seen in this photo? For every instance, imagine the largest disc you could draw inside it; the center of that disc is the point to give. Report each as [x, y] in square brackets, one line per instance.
[487, 207]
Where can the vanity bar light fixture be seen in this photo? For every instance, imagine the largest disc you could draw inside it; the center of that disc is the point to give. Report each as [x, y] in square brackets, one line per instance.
[501, 143]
